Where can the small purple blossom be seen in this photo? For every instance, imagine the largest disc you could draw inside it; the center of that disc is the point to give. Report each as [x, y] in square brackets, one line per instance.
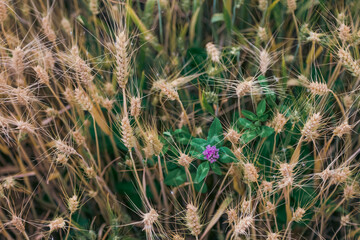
[211, 153]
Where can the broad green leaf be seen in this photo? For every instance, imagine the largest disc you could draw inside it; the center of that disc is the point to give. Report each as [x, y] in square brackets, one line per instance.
[198, 144]
[216, 168]
[183, 140]
[215, 130]
[263, 118]
[248, 136]
[270, 99]
[183, 130]
[249, 115]
[198, 141]
[201, 187]
[182, 136]
[202, 171]
[261, 108]
[197, 155]
[216, 141]
[175, 177]
[245, 123]
[171, 165]
[265, 131]
[226, 155]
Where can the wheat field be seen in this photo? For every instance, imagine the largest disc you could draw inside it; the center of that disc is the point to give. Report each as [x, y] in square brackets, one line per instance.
[179, 119]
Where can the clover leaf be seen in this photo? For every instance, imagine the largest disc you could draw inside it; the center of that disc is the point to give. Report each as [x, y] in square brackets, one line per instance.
[202, 171]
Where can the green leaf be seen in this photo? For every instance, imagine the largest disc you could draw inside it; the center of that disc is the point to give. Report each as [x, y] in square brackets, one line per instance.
[206, 106]
[202, 171]
[227, 19]
[198, 144]
[171, 165]
[262, 80]
[142, 28]
[198, 141]
[183, 130]
[265, 131]
[217, 17]
[249, 115]
[226, 155]
[245, 123]
[183, 141]
[216, 168]
[201, 187]
[148, 12]
[270, 99]
[175, 177]
[196, 154]
[263, 118]
[194, 20]
[216, 141]
[167, 134]
[215, 130]
[261, 108]
[182, 136]
[166, 148]
[248, 136]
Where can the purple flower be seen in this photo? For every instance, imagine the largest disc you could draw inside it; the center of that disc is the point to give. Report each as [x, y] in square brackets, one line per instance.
[211, 153]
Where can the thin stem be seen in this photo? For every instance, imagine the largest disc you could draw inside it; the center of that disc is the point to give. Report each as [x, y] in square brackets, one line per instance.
[186, 116]
[97, 147]
[137, 178]
[299, 43]
[68, 231]
[162, 186]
